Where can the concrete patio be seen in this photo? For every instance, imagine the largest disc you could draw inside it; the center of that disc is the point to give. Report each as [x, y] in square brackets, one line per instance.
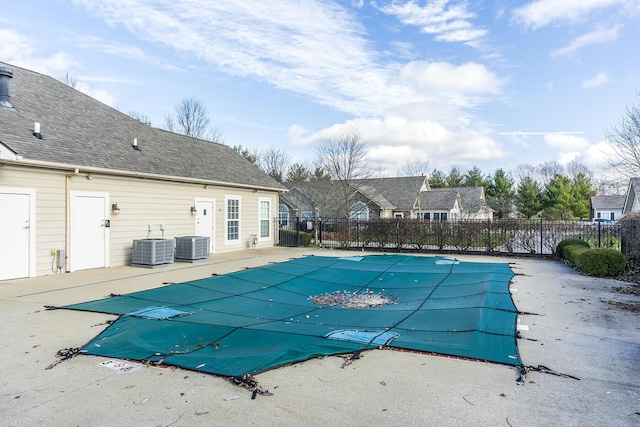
[571, 329]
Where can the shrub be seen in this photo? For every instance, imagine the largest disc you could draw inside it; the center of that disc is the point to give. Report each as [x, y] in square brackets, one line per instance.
[573, 252]
[560, 249]
[290, 237]
[601, 262]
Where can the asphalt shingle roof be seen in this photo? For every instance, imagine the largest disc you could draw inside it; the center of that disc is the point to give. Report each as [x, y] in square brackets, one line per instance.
[80, 131]
[443, 199]
[607, 202]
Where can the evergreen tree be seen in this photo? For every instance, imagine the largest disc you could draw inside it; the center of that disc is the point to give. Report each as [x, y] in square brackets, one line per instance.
[298, 172]
[529, 197]
[319, 175]
[557, 198]
[580, 192]
[251, 155]
[501, 194]
[438, 179]
[474, 178]
[455, 177]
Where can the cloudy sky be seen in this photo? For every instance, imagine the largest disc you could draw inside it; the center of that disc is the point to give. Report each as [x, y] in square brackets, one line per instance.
[487, 83]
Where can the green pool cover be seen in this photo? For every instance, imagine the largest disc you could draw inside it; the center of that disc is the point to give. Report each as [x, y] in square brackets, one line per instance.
[257, 319]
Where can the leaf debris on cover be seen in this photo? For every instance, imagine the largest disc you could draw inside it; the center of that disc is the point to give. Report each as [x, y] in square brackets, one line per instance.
[346, 299]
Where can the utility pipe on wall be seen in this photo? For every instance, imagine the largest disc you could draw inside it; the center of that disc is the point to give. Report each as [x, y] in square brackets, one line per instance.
[67, 222]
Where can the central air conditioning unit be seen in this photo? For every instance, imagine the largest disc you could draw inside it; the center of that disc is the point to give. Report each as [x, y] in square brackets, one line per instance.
[151, 252]
[191, 248]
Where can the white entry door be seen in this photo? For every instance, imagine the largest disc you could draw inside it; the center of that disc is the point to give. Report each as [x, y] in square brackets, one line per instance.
[16, 219]
[89, 231]
[205, 220]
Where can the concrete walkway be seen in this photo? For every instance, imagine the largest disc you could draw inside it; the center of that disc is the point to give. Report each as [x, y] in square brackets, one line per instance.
[574, 331]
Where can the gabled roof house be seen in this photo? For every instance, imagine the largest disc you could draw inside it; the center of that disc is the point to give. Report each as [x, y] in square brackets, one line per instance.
[80, 181]
[632, 198]
[607, 207]
[401, 197]
[360, 198]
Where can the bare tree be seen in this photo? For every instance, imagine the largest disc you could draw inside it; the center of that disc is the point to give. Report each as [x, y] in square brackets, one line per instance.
[548, 170]
[414, 167]
[524, 171]
[142, 118]
[624, 139]
[274, 162]
[576, 168]
[344, 159]
[70, 80]
[190, 118]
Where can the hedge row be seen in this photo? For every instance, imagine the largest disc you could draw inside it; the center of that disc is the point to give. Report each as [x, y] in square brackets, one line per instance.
[600, 262]
[292, 236]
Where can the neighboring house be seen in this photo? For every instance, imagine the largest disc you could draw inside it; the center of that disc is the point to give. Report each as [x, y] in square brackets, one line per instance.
[401, 197]
[473, 202]
[440, 204]
[80, 181]
[632, 198]
[365, 198]
[606, 207]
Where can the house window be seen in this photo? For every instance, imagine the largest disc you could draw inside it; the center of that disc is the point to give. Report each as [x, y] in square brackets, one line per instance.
[427, 216]
[443, 216]
[233, 219]
[398, 214]
[283, 215]
[265, 211]
[436, 216]
[359, 211]
[613, 216]
[599, 215]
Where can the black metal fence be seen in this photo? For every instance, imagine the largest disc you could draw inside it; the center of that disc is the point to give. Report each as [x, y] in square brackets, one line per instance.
[499, 237]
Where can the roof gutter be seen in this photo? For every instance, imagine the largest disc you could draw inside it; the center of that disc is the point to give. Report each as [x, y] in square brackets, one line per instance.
[116, 172]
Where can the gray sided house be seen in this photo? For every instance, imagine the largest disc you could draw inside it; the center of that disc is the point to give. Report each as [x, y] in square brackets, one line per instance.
[606, 207]
[80, 181]
[440, 204]
[632, 198]
[401, 197]
[361, 198]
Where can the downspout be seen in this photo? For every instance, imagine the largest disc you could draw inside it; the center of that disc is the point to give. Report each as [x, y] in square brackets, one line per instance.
[67, 222]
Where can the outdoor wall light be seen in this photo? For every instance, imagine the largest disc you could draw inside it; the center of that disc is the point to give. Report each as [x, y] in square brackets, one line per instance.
[193, 210]
[115, 209]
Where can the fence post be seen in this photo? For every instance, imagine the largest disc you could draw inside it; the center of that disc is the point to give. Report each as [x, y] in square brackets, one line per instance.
[488, 236]
[358, 233]
[599, 224]
[297, 231]
[276, 235]
[441, 238]
[320, 230]
[541, 237]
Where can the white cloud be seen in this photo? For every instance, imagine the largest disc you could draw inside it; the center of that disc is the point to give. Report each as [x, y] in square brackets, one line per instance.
[539, 13]
[449, 21]
[21, 51]
[598, 36]
[442, 76]
[393, 139]
[292, 46]
[566, 142]
[598, 80]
